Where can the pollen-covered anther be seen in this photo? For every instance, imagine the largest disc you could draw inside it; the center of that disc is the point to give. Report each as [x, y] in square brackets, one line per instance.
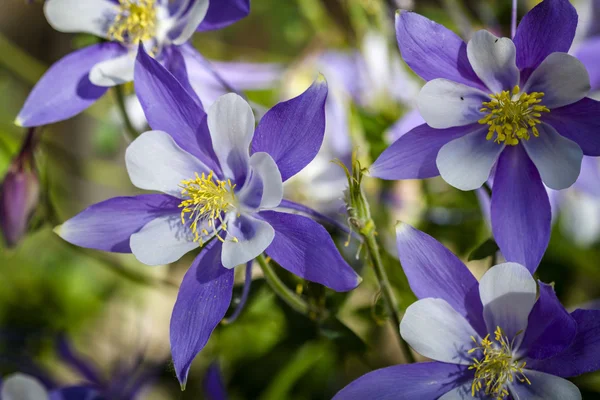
[495, 366]
[513, 116]
[207, 201]
[135, 22]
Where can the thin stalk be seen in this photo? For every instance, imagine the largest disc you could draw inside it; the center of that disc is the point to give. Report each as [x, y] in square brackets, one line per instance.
[280, 289]
[513, 25]
[120, 99]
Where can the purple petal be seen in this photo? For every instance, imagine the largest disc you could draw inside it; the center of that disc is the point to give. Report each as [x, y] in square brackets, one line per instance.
[550, 329]
[433, 271]
[245, 292]
[202, 301]
[521, 212]
[405, 124]
[547, 28]
[65, 89]
[580, 123]
[76, 393]
[108, 225]
[413, 156]
[424, 381]
[292, 132]
[176, 64]
[169, 108]
[296, 238]
[222, 13]
[589, 54]
[214, 387]
[433, 51]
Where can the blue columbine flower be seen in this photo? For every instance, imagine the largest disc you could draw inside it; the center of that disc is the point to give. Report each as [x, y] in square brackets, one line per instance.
[489, 339]
[82, 77]
[222, 189]
[514, 107]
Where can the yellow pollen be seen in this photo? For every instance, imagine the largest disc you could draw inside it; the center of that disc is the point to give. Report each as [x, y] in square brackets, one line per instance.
[496, 366]
[207, 200]
[513, 116]
[135, 22]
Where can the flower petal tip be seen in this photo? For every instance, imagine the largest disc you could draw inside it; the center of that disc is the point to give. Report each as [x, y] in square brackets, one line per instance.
[58, 229]
[19, 122]
[321, 80]
[403, 229]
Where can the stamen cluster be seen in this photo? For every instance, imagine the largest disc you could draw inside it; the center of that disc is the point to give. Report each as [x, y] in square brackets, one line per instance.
[135, 22]
[511, 116]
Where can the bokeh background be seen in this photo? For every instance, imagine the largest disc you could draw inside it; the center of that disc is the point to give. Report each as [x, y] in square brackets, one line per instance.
[61, 305]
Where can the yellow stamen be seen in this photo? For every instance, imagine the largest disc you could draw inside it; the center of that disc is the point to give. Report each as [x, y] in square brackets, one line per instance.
[496, 366]
[135, 22]
[208, 199]
[512, 116]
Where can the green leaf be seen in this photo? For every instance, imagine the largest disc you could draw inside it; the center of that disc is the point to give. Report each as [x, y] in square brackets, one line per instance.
[484, 250]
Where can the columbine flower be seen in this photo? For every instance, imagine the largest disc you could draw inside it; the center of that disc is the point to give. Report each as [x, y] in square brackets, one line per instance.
[222, 185]
[489, 340]
[518, 108]
[82, 77]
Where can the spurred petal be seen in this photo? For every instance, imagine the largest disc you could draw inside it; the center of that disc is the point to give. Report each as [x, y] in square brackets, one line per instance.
[547, 28]
[202, 301]
[292, 132]
[193, 17]
[108, 225]
[247, 238]
[224, 12]
[589, 54]
[544, 387]
[113, 72]
[65, 89]
[433, 271]
[580, 123]
[304, 248]
[91, 16]
[424, 381]
[433, 51]
[413, 156]
[214, 387]
[521, 212]
[263, 188]
[22, 387]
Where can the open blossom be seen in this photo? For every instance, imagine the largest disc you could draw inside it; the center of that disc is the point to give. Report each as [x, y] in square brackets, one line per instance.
[222, 189]
[76, 81]
[491, 339]
[513, 109]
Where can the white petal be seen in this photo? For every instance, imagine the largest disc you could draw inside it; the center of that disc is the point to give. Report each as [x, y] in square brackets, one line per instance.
[557, 158]
[263, 188]
[162, 241]
[437, 331]
[90, 16]
[463, 392]
[562, 78]
[494, 61]
[193, 18]
[445, 104]
[113, 72]
[466, 162]
[22, 387]
[253, 236]
[544, 387]
[508, 293]
[155, 162]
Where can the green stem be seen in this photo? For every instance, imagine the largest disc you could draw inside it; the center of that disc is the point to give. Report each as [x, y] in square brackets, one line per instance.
[120, 98]
[291, 298]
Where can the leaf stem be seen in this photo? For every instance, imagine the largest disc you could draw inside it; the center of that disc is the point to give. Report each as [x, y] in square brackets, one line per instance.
[120, 99]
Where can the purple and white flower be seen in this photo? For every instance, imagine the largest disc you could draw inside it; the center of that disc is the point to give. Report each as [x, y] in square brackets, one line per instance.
[76, 81]
[515, 109]
[489, 339]
[222, 189]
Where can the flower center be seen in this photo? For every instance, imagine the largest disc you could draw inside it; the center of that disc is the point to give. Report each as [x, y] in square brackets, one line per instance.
[135, 22]
[512, 116]
[207, 200]
[496, 366]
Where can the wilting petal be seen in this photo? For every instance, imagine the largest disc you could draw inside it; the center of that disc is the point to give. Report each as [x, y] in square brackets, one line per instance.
[424, 381]
[292, 131]
[589, 54]
[562, 78]
[263, 188]
[550, 328]
[433, 51]
[521, 212]
[113, 72]
[304, 248]
[508, 293]
[547, 28]
[544, 387]
[108, 225]
[252, 236]
[413, 156]
[214, 387]
[65, 89]
[446, 104]
[202, 301]
[155, 162]
[193, 17]
[22, 387]
[580, 123]
[494, 61]
[436, 330]
[91, 16]
[224, 12]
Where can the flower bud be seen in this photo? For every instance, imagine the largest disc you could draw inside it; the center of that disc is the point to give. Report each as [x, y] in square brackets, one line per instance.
[19, 195]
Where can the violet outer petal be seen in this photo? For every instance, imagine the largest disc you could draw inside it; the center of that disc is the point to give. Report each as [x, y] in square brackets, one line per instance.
[222, 13]
[202, 302]
[292, 131]
[76, 393]
[175, 63]
[65, 89]
[109, 224]
[521, 214]
[214, 387]
[547, 28]
[304, 248]
[580, 123]
[423, 381]
[589, 54]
